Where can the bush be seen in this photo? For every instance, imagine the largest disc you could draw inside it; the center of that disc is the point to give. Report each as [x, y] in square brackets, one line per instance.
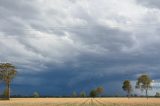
[83, 94]
[157, 94]
[74, 94]
[93, 93]
[36, 94]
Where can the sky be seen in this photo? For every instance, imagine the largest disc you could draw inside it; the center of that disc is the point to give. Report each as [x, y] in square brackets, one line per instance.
[61, 46]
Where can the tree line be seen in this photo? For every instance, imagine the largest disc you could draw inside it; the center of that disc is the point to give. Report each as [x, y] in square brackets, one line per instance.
[8, 72]
[93, 93]
[143, 83]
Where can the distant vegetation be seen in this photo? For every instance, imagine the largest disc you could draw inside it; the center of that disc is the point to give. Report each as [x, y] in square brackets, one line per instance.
[36, 95]
[83, 94]
[93, 93]
[157, 94]
[127, 87]
[7, 73]
[74, 94]
[143, 83]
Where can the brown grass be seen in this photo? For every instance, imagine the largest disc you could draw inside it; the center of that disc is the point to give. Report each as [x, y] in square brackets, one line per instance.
[81, 102]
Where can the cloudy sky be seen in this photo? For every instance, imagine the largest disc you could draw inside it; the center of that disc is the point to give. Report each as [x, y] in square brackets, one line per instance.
[60, 46]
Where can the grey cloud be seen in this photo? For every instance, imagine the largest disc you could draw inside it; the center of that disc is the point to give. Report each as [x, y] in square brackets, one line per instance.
[150, 3]
[66, 41]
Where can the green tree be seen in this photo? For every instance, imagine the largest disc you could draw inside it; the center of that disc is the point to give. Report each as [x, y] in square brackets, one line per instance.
[74, 94]
[93, 93]
[144, 83]
[127, 87]
[7, 73]
[36, 95]
[83, 94]
[99, 90]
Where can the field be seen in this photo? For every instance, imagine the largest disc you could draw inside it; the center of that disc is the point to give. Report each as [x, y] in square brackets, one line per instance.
[81, 102]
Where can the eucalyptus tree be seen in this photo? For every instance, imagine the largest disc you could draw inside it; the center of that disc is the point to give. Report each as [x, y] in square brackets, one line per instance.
[99, 90]
[7, 73]
[127, 87]
[144, 83]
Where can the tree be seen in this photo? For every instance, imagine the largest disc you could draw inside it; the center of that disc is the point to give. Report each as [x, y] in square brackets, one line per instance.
[127, 87]
[74, 94]
[157, 94]
[7, 73]
[144, 83]
[93, 93]
[5, 92]
[100, 90]
[83, 94]
[36, 94]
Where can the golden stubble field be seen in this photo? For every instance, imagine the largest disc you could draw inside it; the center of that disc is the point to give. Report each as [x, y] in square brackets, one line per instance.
[81, 102]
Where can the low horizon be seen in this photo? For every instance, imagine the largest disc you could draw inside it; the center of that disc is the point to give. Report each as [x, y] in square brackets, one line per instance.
[62, 46]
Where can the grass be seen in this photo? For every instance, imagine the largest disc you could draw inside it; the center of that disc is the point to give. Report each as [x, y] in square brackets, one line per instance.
[81, 102]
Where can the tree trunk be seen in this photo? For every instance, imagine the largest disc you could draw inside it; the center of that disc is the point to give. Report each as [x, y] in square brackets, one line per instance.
[128, 94]
[8, 91]
[147, 93]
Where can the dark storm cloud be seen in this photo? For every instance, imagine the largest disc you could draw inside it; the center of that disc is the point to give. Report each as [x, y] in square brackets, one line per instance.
[150, 3]
[61, 46]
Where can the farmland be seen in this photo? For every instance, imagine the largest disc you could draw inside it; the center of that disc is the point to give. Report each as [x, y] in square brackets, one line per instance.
[81, 102]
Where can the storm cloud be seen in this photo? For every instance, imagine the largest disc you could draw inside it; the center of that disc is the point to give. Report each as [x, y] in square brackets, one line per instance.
[79, 44]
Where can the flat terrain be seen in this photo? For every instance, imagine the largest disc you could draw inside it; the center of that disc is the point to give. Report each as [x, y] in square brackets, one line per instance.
[81, 102]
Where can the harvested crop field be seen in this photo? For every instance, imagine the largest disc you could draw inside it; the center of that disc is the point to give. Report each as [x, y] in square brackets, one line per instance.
[81, 102]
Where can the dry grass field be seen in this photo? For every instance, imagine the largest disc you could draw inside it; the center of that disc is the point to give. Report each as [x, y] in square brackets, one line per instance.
[81, 102]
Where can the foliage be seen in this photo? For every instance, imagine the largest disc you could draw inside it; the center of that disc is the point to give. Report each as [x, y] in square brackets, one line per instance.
[157, 94]
[93, 93]
[99, 90]
[74, 94]
[144, 83]
[83, 94]
[7, 73]
[127, 87]
[36, 94]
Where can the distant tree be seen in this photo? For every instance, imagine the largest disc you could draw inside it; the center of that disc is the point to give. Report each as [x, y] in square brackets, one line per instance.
[93, 93]
[99, 90]
[36, 95]
[83, 94]
[74, 94]
[144, 83]
[7, 73]
[117, 95]
[127, 87]
[135, 95]
[5, 92]
[157, 94]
